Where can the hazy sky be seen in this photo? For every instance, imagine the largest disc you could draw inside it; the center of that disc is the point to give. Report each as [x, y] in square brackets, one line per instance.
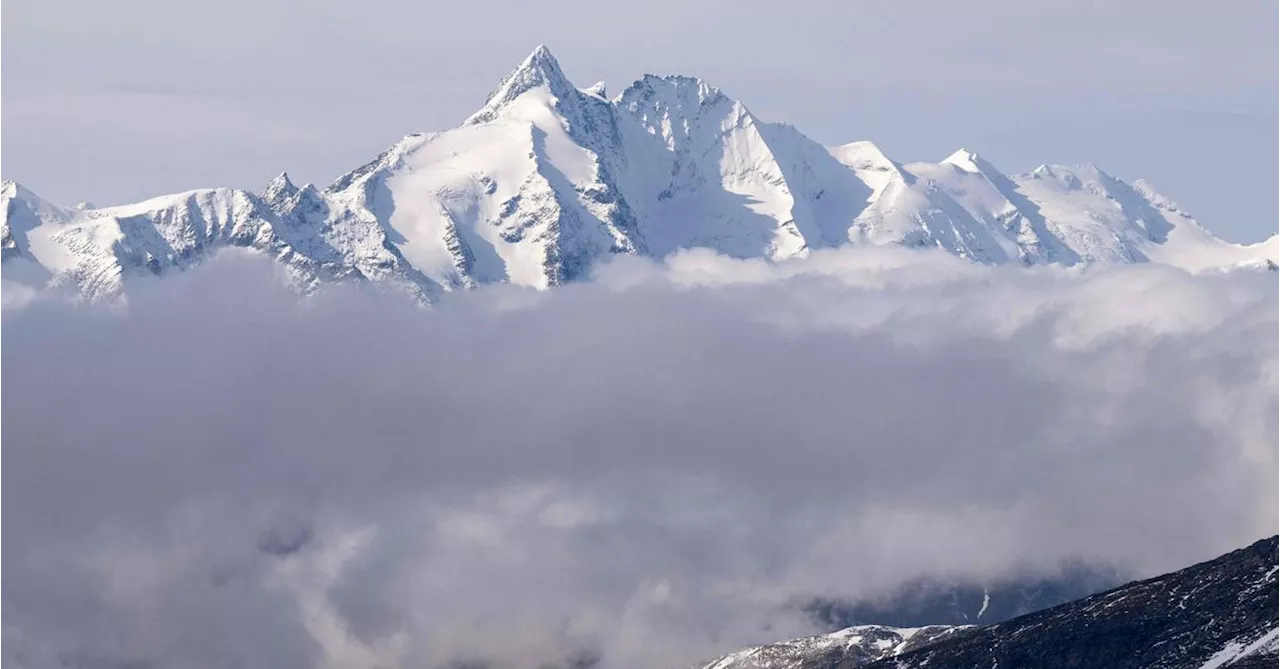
[116, 101]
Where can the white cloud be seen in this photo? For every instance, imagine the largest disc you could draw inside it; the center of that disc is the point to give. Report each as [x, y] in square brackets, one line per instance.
[650, 467]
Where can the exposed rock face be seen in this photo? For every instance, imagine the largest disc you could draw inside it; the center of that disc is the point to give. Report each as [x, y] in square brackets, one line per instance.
[1223, 609]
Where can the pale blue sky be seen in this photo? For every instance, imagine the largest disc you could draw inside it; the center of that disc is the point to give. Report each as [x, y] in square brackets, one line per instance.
[116, 101]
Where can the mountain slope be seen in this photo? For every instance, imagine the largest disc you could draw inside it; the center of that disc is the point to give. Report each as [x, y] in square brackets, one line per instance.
[95, 251]
[547, 179]
[1222, 611]
[850, 647]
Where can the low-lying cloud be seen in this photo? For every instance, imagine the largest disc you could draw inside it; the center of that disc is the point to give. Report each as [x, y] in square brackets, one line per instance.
[644, 470]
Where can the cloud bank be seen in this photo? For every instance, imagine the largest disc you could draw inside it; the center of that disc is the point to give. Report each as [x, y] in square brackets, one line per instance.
[644, 470]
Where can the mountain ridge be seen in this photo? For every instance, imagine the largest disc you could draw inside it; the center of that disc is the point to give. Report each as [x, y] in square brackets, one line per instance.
[852, 646]
[547, 179]
[1215, 614]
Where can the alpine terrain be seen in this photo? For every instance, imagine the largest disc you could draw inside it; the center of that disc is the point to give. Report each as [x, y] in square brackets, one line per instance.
[854, 646]
[1214, 615]
[548, 178]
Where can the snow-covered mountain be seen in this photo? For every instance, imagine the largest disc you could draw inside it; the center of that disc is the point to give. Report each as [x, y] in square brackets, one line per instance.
[548, 178]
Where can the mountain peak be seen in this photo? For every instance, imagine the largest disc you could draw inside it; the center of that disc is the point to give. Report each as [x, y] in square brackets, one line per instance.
[13, 189]
[539, 61]
[964, 159]
[540, 69]
[969, 161]
[279, 188]
[540, 52]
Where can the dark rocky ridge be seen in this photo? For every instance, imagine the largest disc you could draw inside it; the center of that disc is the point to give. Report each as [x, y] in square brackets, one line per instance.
[1179, 620]
[1220, 614]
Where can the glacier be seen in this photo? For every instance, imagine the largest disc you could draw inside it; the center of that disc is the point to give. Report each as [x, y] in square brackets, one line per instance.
[547, 179]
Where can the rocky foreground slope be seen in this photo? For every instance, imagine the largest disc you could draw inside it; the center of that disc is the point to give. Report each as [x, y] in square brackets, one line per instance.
[1217, 614]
